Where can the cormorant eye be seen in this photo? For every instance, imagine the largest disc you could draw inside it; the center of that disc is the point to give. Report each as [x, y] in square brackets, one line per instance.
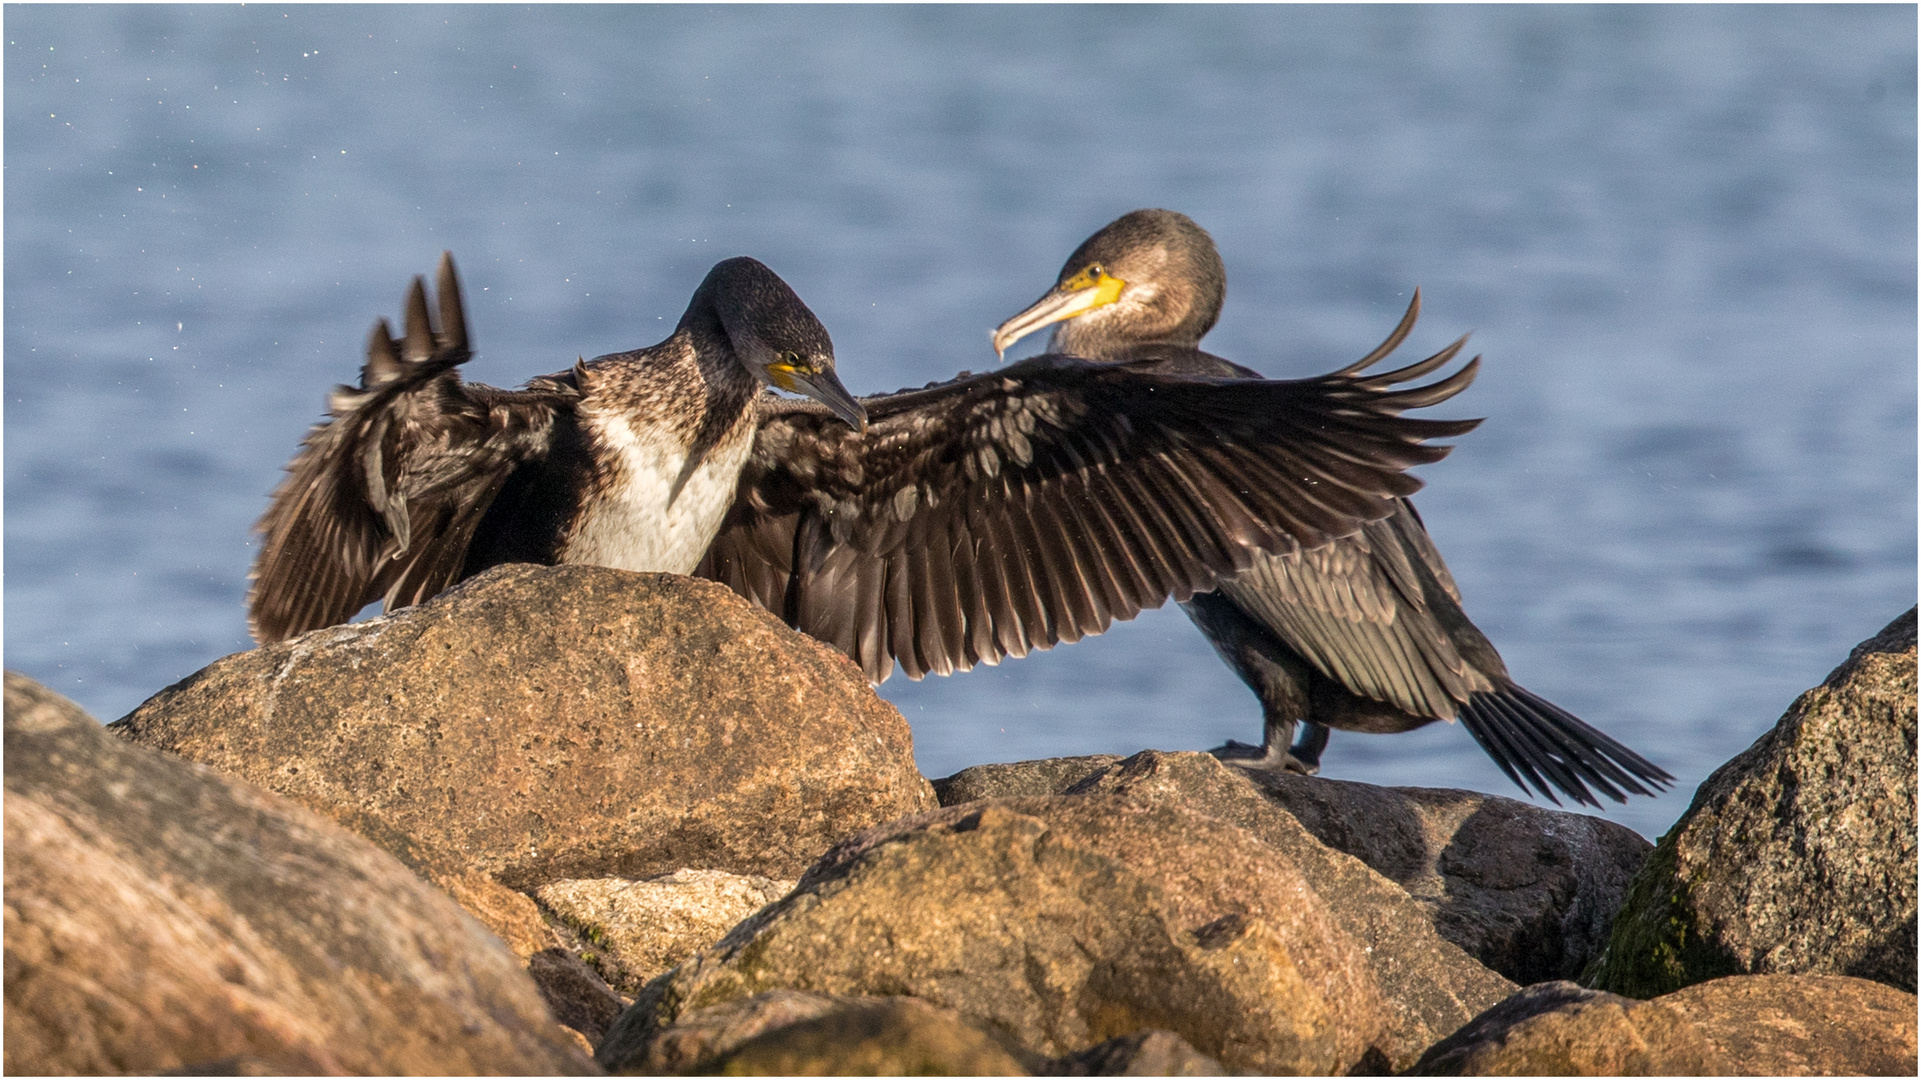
[791, 359]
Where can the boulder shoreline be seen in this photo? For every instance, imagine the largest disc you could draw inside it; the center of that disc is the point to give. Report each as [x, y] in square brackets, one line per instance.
[572, 819]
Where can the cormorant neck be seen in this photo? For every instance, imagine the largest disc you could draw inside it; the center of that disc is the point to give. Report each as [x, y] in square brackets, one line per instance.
[705, 341]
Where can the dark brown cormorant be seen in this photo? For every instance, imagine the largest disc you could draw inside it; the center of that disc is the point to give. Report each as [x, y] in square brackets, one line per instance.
[421, 480]
[1363, 634]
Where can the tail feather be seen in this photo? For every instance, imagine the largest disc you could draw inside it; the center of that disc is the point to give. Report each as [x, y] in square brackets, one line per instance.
[1541, 746]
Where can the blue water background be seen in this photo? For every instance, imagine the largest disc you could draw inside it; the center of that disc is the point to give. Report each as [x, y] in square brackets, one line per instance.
[1684, 237]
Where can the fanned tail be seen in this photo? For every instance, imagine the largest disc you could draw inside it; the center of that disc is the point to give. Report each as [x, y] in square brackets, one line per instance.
[1537, 744]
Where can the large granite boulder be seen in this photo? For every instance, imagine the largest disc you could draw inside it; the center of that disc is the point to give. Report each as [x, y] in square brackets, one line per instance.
[1797, 856]
[1056, 924]
[1803, 1025]
[1529, 892]
[160, 916]
[543, 723]
[1432, 987]
[1560, 1029]
[1742, 1025]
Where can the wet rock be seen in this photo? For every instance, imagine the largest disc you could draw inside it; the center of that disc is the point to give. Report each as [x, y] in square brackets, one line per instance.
[1057, 924]
[634, 930]
[1797, 856]
[560, 722]
[784, 1033]
[160, 916]
[1803, 1025]
[1528, 891]
[1560, 1029]
[1144, 1053]
[1047, 776]
[1431, 985]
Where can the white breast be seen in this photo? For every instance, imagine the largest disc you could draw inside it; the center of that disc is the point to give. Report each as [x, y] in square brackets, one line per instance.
[639, 522]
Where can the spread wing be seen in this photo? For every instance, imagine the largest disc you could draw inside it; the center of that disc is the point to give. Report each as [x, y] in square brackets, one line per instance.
[1006, 512]
[383, 498]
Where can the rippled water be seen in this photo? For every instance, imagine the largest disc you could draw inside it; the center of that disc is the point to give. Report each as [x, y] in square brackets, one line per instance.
[1684, 238]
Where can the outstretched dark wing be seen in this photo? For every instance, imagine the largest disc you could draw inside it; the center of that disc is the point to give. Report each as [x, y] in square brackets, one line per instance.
[1009, 511]
[383, 498]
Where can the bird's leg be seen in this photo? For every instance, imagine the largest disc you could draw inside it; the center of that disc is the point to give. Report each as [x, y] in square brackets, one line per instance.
[1278, 752]
[1307, 752]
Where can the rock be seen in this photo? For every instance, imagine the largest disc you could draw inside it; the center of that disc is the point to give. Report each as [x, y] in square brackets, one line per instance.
[635, 930]
[510, 915]
[1528, 891]
[1048, 776]
[1560, 1029]
[160, 916]
[783, 1033]
[699, 1037]
[1144, 1053]
[577, 995]
[1797, 856]
[1056, 924]
[1432, 986]
[1803, 1025]
[560, 722]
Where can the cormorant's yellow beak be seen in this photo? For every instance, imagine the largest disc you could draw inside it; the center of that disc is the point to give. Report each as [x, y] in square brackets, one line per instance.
[821, 384]
[1084, 292]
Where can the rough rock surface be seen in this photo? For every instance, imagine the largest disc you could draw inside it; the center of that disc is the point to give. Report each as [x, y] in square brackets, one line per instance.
[1803, 1025]
[1530, 892]
[1797, 856]
[1056, 924]
[634, 930]
[1046, 776]
[160, 916]
[788, 1033]
[560, 722]
[1560, 1029]
[1431, 985]
[1144, 1053]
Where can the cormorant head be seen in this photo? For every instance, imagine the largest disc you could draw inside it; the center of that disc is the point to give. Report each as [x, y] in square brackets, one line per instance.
[773, 334]
[1150, 277]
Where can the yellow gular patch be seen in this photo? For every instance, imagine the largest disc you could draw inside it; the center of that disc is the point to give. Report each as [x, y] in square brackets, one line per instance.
[1106, 288]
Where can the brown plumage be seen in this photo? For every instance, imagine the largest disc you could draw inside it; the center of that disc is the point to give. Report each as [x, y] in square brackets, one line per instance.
[1365, 633]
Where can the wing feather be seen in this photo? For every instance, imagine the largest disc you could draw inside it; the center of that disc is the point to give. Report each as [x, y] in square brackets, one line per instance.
[384, 496]
[1005, 512]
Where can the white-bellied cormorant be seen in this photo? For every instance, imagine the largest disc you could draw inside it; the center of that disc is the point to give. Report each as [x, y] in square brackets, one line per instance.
[420, 480]
[1365, 633]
